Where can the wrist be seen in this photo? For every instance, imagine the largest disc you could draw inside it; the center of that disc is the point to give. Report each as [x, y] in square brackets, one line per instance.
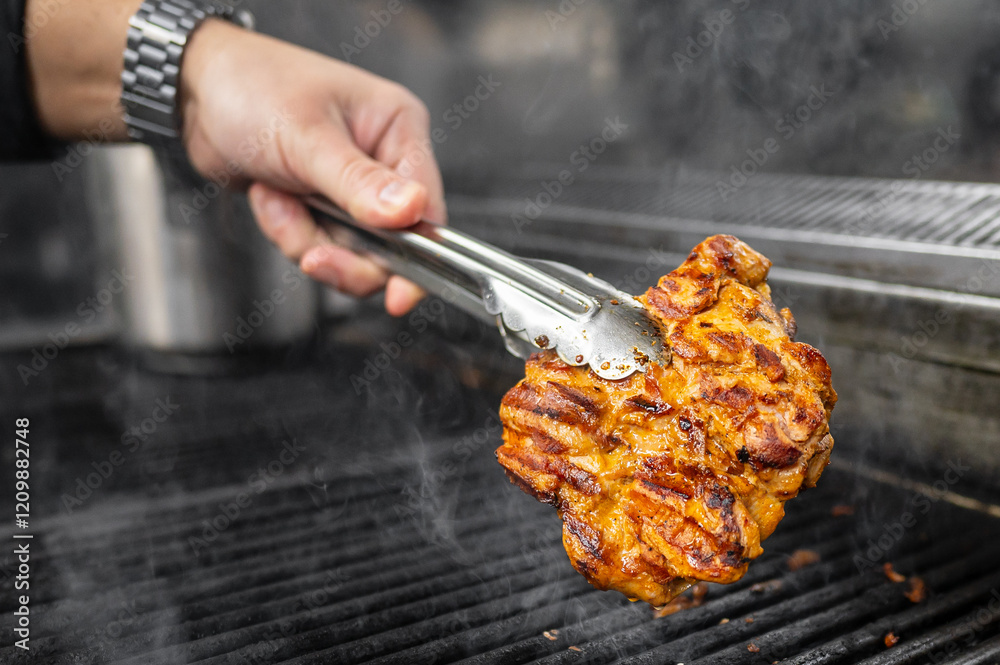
[209, 45]
[165, 39]
[74, 67]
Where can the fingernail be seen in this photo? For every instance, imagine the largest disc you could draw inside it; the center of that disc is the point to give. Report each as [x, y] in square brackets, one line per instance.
[398, 193]
[315, 269]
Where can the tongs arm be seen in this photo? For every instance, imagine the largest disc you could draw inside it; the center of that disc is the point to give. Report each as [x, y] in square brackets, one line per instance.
[449, 263]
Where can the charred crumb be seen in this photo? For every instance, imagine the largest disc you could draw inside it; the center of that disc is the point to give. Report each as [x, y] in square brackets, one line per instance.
[918, 590]
[542, 341]
[891, 639]
[764, 587]
[753, 648]
[892, 574]
[802, 558]
[748, 620]
[743, 455]
[695, 597]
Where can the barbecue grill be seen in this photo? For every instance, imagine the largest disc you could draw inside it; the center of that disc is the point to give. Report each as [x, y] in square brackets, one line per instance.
[344, 506]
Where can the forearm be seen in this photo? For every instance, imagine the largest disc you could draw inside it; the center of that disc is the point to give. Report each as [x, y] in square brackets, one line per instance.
[74, 57]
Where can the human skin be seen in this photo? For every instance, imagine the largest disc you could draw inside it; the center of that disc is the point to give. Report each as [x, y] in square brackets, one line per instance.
[343, 132]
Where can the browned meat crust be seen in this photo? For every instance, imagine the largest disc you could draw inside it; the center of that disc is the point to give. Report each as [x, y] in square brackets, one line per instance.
[677, 475]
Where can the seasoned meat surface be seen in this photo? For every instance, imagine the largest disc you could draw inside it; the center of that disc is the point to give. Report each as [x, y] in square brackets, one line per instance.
[677, 474]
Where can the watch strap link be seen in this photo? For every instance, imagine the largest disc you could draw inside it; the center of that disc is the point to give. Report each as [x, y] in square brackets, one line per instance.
[157, 35]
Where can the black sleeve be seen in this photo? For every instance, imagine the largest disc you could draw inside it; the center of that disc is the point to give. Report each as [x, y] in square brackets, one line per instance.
[21, 137]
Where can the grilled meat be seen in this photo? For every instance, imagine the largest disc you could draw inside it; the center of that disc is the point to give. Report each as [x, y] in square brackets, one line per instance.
[677, 474]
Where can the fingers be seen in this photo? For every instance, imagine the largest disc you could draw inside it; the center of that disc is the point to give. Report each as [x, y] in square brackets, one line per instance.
[418, 163]
[367, 189]
[407, 147]
[343, 270]
[286, 222]
[401, 295]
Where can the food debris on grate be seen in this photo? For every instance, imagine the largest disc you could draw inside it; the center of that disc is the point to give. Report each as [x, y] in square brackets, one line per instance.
[551, 635]
[753, 648]
[891, 573]
[693, 598]
[764, 587]
[918, 590]
[802, 558]
[891, 639]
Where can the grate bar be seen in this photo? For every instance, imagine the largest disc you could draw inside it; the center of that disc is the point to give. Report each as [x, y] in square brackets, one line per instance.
[875, 602]
[987, 653]
[653, 633]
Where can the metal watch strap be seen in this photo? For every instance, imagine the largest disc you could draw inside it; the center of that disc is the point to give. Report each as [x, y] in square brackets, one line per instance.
[157, 35]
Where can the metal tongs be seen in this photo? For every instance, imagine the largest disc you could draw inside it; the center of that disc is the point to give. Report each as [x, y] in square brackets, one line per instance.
[536, 304]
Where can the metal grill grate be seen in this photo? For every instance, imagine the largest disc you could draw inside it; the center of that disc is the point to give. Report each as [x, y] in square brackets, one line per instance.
[957, 214]
[397, 539]
[931, 234]
[384, 567]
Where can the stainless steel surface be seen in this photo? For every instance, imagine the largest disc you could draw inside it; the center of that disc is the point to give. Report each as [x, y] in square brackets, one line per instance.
[536, 304]
[930, 234]
[205, 280]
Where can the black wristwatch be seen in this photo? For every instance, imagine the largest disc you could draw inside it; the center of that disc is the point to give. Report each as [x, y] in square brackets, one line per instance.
[157, 35]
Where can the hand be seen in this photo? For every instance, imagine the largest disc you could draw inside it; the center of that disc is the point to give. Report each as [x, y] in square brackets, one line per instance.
[291, 121]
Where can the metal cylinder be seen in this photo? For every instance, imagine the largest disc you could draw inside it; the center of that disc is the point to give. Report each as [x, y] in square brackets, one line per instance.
[201, 280]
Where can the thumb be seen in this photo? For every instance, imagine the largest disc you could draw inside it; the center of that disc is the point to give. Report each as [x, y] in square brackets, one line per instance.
[367, 189]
